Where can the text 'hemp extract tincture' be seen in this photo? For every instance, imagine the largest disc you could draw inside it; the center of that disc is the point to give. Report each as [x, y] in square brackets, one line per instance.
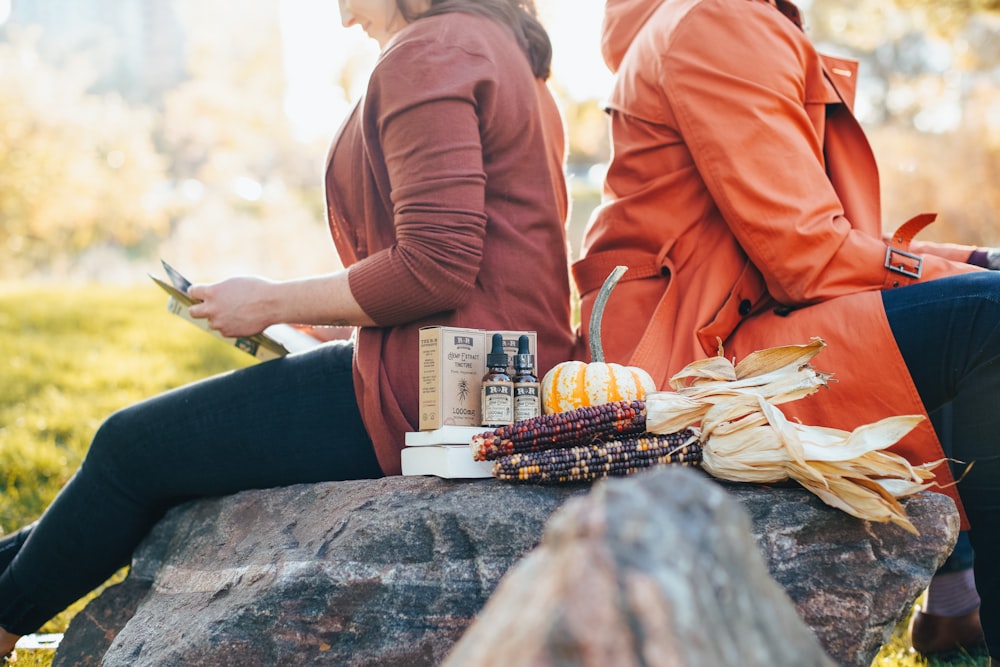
[527, 398]
[498, 390]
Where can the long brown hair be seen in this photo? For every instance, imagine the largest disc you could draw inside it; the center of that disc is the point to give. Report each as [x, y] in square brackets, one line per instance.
[518, 15]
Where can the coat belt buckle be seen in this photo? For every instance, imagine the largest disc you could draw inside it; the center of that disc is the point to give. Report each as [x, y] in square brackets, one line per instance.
[901, 267]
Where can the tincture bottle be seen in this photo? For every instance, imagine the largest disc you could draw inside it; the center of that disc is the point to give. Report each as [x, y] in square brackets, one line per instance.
[527, 392]
[498, 389]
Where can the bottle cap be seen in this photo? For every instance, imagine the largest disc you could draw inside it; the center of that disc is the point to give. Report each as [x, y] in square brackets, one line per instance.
[524, 358]
[496, 357]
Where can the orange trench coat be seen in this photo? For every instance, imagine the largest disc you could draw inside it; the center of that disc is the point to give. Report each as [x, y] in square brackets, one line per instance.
[744, 198]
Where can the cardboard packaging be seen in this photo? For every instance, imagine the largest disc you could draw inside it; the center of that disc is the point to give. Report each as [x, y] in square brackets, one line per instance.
[452, 365]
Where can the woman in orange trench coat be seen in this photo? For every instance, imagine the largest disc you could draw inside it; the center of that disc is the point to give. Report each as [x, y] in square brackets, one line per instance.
[744, 198]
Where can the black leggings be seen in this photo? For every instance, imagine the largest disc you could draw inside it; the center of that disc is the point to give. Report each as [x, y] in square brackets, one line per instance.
[289, 421]
[948, 331]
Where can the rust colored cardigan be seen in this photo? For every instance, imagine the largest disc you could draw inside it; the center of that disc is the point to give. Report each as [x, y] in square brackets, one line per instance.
[447, 201]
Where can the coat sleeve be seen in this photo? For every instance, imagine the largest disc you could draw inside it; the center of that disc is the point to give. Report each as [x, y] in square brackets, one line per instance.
[743, 89]
[421, 127]
[953, 251]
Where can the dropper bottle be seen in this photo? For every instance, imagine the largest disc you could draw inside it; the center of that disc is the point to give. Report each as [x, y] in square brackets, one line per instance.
[498, 389]
[527, 392]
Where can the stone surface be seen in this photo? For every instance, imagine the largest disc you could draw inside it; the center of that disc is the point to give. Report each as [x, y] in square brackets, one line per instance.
[386, 572]
[392, 572]
[663, 570]
[851, 581]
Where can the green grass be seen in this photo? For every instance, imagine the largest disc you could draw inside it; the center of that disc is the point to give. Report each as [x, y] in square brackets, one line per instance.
[69, 356]
[897, 652]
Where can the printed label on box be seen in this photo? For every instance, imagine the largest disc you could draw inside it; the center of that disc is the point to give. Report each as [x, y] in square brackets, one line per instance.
[451, 372]
[452, 365]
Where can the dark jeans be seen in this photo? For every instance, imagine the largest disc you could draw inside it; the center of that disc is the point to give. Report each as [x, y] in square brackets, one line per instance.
[948, 331]
[962, 556]
[288, 421]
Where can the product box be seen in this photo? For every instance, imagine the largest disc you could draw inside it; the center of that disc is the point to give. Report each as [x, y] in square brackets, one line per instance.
[452, 365]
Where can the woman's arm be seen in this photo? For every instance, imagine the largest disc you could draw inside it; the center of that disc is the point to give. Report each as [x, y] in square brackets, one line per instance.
[422, 117]
[245, 306]
[424, 132]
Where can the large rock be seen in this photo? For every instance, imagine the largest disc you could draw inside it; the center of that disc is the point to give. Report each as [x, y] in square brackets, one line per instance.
[661, 571]
[392, 572]
[386, 572]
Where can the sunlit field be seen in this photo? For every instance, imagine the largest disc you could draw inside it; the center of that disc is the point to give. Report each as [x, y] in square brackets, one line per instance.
[68, 357]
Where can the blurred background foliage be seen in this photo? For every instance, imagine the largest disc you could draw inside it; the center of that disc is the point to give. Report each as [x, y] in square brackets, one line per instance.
[135, 129]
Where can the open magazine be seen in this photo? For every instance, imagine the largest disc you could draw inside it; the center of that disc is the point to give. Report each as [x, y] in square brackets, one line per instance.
[276, 341]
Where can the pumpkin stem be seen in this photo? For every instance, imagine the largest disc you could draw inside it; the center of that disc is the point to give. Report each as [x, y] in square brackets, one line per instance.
[596, 315]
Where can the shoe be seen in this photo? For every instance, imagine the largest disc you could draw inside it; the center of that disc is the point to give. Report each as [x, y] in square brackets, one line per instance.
[932, 635]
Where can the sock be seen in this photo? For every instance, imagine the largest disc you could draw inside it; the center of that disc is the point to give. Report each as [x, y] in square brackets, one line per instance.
[952, 594]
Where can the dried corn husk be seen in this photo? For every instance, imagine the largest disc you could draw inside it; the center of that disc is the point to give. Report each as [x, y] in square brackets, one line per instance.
[746, 438]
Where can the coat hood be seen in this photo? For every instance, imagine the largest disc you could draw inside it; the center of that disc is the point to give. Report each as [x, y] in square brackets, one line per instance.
[622, 21]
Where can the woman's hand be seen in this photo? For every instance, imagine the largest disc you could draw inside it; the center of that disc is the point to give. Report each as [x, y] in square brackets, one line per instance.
[993, 259]
[246, 306]
[235, 307]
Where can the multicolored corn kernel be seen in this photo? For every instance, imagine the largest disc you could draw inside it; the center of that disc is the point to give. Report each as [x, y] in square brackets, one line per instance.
[612, 458]
[580, 426]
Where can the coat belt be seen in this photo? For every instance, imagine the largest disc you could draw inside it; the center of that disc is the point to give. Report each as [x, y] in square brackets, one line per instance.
[591, 271]
[898, 258]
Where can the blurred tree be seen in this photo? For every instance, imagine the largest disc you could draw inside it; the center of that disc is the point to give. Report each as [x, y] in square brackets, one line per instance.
[588, 140]
[252, 197]
[947, 15]
[954, 174]
[78, 169]
[227, 120]
[927, 98]
[216, 155]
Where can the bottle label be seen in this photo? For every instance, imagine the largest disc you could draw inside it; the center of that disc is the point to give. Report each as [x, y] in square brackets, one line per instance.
[527, 402]
[498, 403]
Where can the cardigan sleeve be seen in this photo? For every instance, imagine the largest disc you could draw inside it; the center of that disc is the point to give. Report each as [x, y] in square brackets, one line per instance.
[421, 123]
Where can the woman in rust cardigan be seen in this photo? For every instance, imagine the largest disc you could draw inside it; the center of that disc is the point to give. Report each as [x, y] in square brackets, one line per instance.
[744, 198]
[447, 205]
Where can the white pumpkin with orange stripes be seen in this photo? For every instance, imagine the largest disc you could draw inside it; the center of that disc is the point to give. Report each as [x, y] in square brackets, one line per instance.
[578, 384]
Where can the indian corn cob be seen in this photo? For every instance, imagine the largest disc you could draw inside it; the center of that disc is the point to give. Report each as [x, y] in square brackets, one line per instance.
[730, 411]
[746, 438]
[580, 426]
[611, 458]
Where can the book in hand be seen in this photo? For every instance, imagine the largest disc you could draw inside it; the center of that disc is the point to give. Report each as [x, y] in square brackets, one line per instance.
[276, 341]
